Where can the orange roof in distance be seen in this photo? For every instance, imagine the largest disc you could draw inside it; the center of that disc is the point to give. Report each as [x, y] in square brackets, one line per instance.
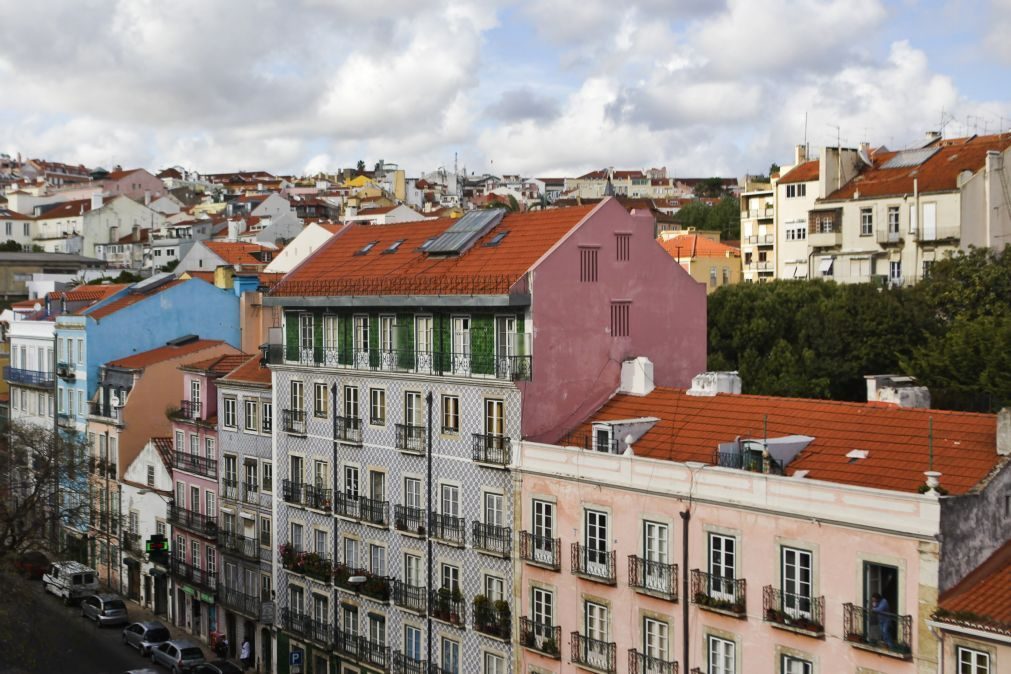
[219, 365]
[128, 300]
[143, 359]
[693, 245]
[983, 598]
[250, 372]
[801, 173]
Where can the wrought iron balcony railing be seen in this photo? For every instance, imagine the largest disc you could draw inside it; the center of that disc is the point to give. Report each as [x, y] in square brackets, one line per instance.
[491, 449]
[189, 409]
[375, 586]
[194, 521]
[402, 663]
[229, 489]
[103, 410]
[361, 649]
[796, 612]
[655, 578]
[250, 493]
[411, 438]
[593, 653]
[492, 538]
[545, 639]
[197, 576]
[410, 597]
[641, 663]
[306, 626]
[245, 603]
[349, 430]
[888, 633]
[312, 564]
[492, 618]
[716, 593]
[22, 377]
[409, 519]
[592, 564]
[194, 463]
[541, 550]
[448, 606]
[293, 421]
[232, 543]
[447, 528]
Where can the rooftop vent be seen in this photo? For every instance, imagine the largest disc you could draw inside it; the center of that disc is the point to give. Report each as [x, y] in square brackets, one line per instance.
[462, 234]
[898, 390]
[711, 383]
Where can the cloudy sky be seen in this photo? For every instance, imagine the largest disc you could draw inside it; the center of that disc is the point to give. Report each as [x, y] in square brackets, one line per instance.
[541, 87]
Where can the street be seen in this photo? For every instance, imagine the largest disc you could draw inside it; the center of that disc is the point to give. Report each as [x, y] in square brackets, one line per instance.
[43, 635]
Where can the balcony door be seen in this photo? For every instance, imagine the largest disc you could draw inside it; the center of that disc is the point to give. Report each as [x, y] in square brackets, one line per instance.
[461, 344]
[195, 395]
[387, 342]
[722, 566]
[797, 589]
[423, 343]
[655, 544]
[596, 543]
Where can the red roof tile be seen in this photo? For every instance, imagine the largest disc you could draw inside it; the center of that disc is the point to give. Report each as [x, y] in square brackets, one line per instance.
[982, 599]
[693, 245]
[219, 365]
[168, 352]
[250, 372]
[237, 252]
[896, 439]
[67, 209]
[337, 267]
[164, 448]
[130, 299]
[801, 173]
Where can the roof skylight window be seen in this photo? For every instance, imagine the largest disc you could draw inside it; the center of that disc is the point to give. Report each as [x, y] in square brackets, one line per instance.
[427, 244]
[497, 239]
[367, 247]
[393, 247]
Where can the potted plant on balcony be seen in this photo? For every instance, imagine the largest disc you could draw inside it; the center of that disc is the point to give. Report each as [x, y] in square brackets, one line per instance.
[529, 639]
[503, 613]
[482, 612]
[444, 595]
[376, 587]
[454, 616]
[341, 573]
[287, 553]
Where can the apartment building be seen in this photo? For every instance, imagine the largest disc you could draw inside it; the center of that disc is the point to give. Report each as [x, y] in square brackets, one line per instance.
[193, 514]
[795, 192]
[706, 531]
[411, 361]
[246, 494]
[758, 235]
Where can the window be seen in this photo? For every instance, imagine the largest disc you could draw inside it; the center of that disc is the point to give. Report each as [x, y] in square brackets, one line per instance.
[265, 530]
[595, 621]
[587, 265]
[305, 330]
[712, 282]
[377, 629]
[229, 420]
[726, 276]
[195, 554]
[619, 319]
[722, 564]
[493, 664]
[297, 393]
[721, 656]
[895, 271]
[796, 190]
[150, 476]
[296, 599]
[543, 606]
[351, 481]
[320, 400]
[209, 450]
[267, 418]
[194, 444]
[377, 485]
[412, 642]
[866, 221]
[797, 582]
[423, 337]
[655, 542]
[793, 665]
[297, 469]
[450, 656]
[412, 492]
[351, 552]
[449, 576]
[377, 559]
[351, 402]
[493, 509]
[361, 334]
[412, 408]
[450, 414]
[449, 500]
[927, 265]
[320, 609]
[494, 422]
[319, 542]
[655, 638]
[893, 219]
[210, 504]
[494, 588]
[366, 248]
[970, 661]
[622, 245]
[461, 336]
[330, 335]
[387, 334]
[595, 539]
[265, 587]
[250, 476]
[212, 560]
[267, 476]
[296, 537]
[412, 570]
[544, 520]
[377, 406]
[251, 424]
[392, 248]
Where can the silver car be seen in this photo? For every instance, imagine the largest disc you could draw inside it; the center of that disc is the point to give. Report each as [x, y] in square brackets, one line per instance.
[178, 656]
[145, 635]
[104, 609]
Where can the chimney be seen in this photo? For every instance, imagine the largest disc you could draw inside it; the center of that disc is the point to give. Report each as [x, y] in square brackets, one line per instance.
[637, 376]
[96, 200]
[136, 233]
[233, 230]
[711, 383]
[932, 136]
[1004, 432]
[147, 197]
[799, 154]
[898, 390]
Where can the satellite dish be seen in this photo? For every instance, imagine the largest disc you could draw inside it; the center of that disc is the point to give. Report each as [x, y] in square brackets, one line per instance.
[38, 307]
[865, 157]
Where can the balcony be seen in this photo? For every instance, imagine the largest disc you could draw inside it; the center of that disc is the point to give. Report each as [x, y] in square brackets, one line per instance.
[349, 430]
[938, 234]
[448, 529]
[492, 618]
[600, 656]
[375, 587]
[194, 521]
[194, 463]
[372, 511]
[103, 410]
[541, 551]
[759, 265]
[229, 489]
[409, 519]
[64, 420]
[749, 460]
[131, 543]
[306, 626]
[406, 664]
[595, 565]
[885, 633]
[307, 495]
[885, 237]
[448, 606]
[410, 361]
[718, 594]
[492, 539]
[232, 543]
[311, 564]
[189, 409]
[293, 422]
[251, 493]
[656, 579]
[829, 239]
[197, 576]
[640, 663]
[410, 597]
[495, 450]
[794, 612]
[362, 650]
[411, 439]
[35, 378]
[754, 213]
[102, 468]
[545, 639]
[761, 239]
[245, 603]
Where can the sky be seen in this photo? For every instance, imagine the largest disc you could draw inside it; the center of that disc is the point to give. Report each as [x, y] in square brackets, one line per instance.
[535, 87]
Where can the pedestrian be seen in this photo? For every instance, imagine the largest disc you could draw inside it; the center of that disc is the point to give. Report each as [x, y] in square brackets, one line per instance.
[881, 609]
[246, 654]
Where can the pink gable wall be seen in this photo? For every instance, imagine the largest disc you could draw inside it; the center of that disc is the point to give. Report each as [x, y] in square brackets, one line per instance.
[576, 362]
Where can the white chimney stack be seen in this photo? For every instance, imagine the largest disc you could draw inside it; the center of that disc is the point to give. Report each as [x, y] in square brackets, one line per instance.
[1004, 432]
[800, 154]
[898, 390]
[96, 200]
[711, 383]
[637, 376]
[233, 230]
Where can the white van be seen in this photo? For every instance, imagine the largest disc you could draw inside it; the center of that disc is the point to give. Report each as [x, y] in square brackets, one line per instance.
[70, 580]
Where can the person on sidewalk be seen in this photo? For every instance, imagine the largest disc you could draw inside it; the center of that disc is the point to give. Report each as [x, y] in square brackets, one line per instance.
[246, 654]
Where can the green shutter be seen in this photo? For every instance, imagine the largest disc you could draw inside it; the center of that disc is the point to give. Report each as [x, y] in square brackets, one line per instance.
[344, 328]
[405, 341]
[317, 337]
[482, 344]
[291, 335]
[374, 345]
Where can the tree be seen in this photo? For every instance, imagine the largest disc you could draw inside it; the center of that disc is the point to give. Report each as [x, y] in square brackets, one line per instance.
[709, 188]
[361, 166]
[43, 485]
[773, 169]
[725, 217]
[10, 246]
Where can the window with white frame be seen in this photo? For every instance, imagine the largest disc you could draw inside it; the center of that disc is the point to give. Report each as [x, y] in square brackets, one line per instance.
[450, 656]
[351, 552]
[493, 663]
[494, 588]
[493, 509]
[450, 414]
[251, 422]
[449, 576]
[655, 639]
[797, 582]
[351, 402]
[722, 655]
[377, 629]
[320, 400]
[377, 406]
[412, 642]
[305, 333]
[377, 559]
[267, 417]
[722, 565]
[361, 336]
[267, 476]
[412, 570]
[296, 537]
[351, 484]
[297, 474]
[866, 221]
[893, 219]
[595, 621]
[449, 500]
[542, 608]
[972, 661]
[412, 408]
[297, 396]
[228, 419]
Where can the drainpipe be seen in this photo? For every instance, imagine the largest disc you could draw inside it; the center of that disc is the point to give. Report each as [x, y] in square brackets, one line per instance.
[428, 528]
[686, 517]
[333, 497]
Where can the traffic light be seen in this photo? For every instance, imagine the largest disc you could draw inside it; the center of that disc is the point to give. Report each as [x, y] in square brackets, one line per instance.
[157, 549]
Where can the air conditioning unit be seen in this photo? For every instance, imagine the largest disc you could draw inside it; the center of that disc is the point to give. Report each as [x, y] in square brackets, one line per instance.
[63, 371]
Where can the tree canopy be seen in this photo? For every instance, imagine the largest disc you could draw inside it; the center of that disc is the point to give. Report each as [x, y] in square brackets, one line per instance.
[724, 217]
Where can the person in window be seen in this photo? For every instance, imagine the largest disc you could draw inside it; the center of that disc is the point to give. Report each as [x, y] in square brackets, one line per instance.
[881, 610]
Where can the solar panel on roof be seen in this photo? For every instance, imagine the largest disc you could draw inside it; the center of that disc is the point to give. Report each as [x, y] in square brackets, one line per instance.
[462, 234]
[909, 158]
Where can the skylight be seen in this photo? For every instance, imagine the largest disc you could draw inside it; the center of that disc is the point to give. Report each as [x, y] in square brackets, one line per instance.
[367, 247]
[427, 243]
[497, 239]
[393, 246]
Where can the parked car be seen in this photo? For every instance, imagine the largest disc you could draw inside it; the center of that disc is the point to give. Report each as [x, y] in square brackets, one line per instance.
[146, 670]
[70, 580]
[32, 564]
[104, 609]
[146, 635]
[218, 667]
[178, 656]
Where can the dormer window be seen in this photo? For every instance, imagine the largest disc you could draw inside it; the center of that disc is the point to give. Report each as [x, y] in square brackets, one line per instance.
[603, 438]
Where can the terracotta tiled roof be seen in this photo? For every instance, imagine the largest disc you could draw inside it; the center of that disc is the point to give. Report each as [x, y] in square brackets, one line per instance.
[119, 175]
[164, 449]
[219, 365]
[376, 210]
[130, 299]
[338, 266]
[250, 372]
[896, 439]
[982, 600]
[693, 245]
[67, 209]
[168, 352]
[801, 173]
[7, 214]
[237, 252]
[939, 173]
[207, 276]
[145, 236]
[89, 293]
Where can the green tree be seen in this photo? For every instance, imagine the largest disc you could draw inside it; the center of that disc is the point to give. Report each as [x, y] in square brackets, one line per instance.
[725, 217]
[10, 246]
[361, 166]
[710, 188]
